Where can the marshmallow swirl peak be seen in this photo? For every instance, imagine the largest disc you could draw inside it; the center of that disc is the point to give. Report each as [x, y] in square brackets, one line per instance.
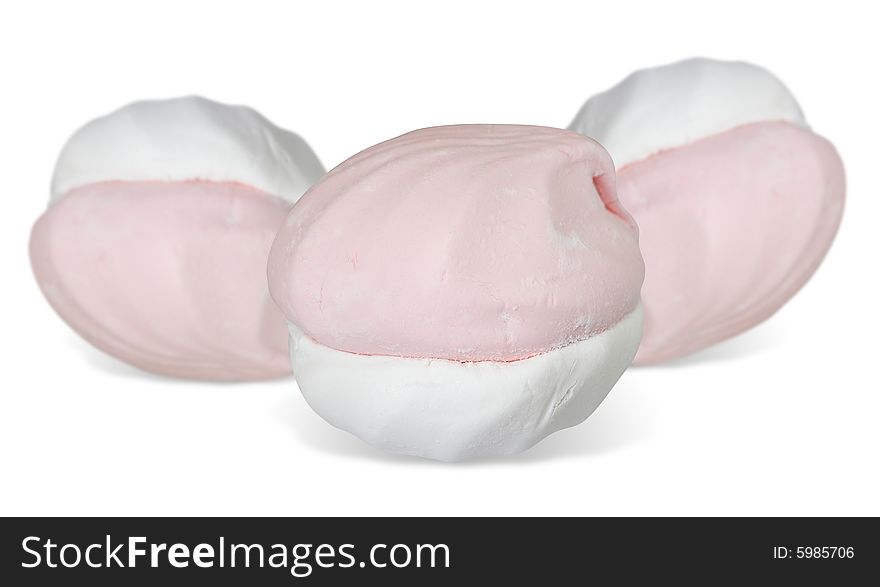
[467, 243]
[188, 138]
[661, 108]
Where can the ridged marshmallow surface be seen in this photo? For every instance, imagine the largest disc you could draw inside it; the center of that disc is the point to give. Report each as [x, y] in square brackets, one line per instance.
[469, 243]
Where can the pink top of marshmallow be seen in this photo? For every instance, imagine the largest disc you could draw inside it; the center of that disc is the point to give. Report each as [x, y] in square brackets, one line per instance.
[470, 243]
[168, 276]
[732, 226]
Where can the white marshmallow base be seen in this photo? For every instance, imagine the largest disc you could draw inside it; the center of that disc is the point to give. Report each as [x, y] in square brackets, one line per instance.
[453, 411]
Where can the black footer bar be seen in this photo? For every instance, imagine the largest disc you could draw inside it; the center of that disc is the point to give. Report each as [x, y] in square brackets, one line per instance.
[427, 551]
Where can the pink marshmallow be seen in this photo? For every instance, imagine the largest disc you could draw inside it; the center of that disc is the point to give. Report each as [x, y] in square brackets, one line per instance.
[167, 276]
[731, 227]
[470, 243]
[736, 200]
[154, 244]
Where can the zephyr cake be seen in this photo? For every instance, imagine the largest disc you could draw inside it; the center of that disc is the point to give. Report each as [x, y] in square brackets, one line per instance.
[154, 244]
[736, 199]
[461, 291]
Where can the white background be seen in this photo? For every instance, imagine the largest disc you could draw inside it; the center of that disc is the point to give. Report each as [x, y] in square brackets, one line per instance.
[781, 420]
